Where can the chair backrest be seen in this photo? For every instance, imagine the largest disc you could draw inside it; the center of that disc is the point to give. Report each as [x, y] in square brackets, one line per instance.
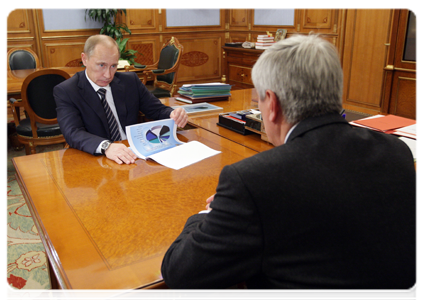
[20, 59]
[168, 58]
[37, 93]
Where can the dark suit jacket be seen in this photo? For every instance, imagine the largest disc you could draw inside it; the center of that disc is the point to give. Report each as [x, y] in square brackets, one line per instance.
[334, 207]
[81, 115]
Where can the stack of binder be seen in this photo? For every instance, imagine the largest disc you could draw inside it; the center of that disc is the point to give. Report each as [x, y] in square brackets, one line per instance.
[205, 92]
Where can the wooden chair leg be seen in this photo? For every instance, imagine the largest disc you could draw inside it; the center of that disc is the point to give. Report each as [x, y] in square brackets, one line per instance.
[27, 149]
[32, 147]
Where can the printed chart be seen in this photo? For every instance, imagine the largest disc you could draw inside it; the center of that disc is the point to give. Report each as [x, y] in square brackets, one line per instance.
[158, 134]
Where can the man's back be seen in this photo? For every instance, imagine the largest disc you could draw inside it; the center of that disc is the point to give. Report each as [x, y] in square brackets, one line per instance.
[340, 210]
[333, 208]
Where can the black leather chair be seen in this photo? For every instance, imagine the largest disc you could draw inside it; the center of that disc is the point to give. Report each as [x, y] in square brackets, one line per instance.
[165, 70]
[40, 127]
[19, 59]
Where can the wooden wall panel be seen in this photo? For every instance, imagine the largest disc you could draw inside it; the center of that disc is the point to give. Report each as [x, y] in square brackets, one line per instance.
[148, 48]
[403, 96]
[239, 19]
[139, 20]
[63, 53]
[400, 85]
[21, 31]
[317, 19]
[19, 21]
[201, 58]
[367, 33]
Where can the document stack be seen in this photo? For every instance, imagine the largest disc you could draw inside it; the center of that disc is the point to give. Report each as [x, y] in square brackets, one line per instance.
[264, 41]
[205, 92]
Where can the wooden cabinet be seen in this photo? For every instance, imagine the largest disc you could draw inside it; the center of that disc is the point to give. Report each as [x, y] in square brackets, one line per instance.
[237, 66]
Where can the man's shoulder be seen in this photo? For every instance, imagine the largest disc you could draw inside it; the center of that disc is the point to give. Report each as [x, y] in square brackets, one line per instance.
[72, 81]
[126, 75]
[264, 160]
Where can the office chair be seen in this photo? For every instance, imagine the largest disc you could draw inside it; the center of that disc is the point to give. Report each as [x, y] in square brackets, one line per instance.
[20, 59]
[40, 127]
[165, 70]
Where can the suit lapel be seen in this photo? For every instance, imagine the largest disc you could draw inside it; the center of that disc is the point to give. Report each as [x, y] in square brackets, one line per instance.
[90, 96]
[118, 91]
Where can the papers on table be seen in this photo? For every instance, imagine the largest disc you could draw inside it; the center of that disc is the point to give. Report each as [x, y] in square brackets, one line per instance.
[390, 124]
[183, 155]
[385, 123]
[193, 109]
[408, 131]
[157, 141]
[205, 90]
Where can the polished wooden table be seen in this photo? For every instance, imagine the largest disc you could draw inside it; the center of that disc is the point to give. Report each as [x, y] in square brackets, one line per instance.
[107, 226]
[239, 100]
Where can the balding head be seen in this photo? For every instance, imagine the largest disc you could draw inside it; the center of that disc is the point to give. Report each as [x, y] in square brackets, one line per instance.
[95, 40]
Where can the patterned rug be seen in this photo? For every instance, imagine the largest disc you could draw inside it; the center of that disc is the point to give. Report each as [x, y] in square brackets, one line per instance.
[26, 273]
[26, 258]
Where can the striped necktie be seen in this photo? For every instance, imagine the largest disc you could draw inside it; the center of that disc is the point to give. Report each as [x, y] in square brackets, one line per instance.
[113, 125]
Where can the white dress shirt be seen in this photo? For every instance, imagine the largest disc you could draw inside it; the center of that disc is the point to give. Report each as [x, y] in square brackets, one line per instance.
[110, 101]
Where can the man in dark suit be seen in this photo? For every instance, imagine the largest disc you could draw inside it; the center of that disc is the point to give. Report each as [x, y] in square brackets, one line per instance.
[330, 207]
[81, 114]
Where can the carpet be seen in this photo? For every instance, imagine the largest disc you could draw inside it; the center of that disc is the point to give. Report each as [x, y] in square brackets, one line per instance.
[26, 257]
[26, 273]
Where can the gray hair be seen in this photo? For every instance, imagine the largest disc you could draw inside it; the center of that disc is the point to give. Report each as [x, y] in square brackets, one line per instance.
[94, 40]
[305, 74]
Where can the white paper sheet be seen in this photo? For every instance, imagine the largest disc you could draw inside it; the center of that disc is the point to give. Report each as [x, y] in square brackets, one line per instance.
[183, 155]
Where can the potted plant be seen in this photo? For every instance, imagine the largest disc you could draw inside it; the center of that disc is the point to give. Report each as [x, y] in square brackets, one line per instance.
[127, 54]
[115, 30]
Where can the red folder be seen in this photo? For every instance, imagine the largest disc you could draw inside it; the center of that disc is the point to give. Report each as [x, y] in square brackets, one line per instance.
[386, 123]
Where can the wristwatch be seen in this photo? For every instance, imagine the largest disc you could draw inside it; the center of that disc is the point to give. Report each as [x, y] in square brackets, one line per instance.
[104, 146]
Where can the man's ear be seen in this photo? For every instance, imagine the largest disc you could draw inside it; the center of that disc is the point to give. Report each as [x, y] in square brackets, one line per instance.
[84, 58]
[273, 106]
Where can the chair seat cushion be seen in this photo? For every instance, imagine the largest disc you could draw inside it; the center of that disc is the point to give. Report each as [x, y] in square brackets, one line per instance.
[44, 130]
[159, 93]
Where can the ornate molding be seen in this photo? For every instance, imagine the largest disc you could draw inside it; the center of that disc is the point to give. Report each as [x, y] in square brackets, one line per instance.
[194, 58]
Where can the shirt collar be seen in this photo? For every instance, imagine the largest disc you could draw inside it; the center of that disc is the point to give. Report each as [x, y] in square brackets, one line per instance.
[289, 132]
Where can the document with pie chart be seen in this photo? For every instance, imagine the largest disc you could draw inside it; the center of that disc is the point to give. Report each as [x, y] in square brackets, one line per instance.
[158, 141]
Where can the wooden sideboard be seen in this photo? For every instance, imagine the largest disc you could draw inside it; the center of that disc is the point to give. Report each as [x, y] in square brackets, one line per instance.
[237, 64]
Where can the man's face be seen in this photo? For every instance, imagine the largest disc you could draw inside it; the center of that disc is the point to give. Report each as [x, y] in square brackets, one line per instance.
[102, 64]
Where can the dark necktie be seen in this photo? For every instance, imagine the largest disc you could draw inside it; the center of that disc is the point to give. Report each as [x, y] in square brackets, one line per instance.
[113, 125]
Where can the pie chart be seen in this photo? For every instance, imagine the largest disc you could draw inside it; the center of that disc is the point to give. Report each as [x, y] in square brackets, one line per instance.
[158, 134]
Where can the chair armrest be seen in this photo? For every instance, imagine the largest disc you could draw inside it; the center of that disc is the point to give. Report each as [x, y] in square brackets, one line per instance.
[138, 66]
[158, 71]
[15, 105]
[13, 101]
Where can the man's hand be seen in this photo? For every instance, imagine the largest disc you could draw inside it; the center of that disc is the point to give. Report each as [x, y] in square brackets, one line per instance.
[208, 201]
[120, 154]
[180, 116]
